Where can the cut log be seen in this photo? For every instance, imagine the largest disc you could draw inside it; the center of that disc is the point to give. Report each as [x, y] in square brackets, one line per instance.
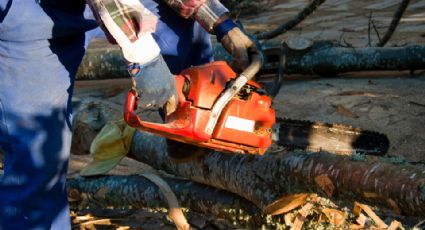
[136, 192]
[328, 59]
[263, 179]
[103, 61]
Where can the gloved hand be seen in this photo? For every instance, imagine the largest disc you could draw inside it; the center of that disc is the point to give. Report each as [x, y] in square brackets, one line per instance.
[155, 85]
[236, 42]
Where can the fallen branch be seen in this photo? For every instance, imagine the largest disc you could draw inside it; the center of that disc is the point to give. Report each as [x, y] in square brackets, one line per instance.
[309, 9]
[394, 23]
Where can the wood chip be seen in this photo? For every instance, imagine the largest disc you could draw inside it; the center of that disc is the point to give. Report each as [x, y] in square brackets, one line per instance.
[356, 226]
[325, 183]
[123, 228]
[302, 214]
[91, 224]
[361, 220]
[358, 207]
[286, 204]
[84, 218]
[334, 216]
[395, 225]
[343, 111]
[289, 219]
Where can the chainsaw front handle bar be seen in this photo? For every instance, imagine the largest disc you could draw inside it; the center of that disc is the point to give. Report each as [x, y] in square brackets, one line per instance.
[235, 87]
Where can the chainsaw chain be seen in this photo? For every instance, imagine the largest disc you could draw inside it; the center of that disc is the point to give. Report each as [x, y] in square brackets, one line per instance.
[325, 137]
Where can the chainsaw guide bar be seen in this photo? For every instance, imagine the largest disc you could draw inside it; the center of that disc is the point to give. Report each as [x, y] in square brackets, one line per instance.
[324, 137]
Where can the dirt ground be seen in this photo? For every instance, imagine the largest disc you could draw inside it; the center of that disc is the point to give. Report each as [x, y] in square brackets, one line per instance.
[392, 103]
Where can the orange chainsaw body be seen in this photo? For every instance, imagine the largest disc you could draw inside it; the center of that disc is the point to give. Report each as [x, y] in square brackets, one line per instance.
[244, 126]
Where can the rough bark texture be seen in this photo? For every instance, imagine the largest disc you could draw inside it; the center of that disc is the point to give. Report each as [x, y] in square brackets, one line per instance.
[90, 115]
[105, 61]
[102, 61]
[325, 58]
[321, 58]
[263, 179]
[135, 191]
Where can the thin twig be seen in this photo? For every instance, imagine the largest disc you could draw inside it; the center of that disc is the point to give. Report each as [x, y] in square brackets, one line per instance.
[394, 23]
[376, 31]
[291, 23]
[369, 43]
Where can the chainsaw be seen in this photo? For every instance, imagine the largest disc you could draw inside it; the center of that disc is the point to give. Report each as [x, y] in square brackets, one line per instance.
[221, 110]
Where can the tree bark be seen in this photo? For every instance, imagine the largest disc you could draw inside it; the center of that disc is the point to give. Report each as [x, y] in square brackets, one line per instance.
[328, 59]
[321, 58]
[263, 179]
[135, 192]
[102, 61]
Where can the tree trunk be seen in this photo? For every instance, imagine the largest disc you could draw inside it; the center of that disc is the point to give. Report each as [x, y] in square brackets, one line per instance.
[103, 61]
[135, 192]
[327, 59]
[263, 179]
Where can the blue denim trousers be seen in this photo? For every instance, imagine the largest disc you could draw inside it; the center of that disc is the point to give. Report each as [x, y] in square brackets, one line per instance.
[41, 47]
[183, 42]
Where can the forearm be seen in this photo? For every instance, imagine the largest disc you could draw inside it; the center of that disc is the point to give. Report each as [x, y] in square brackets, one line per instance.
[128, 24]
[208, 13]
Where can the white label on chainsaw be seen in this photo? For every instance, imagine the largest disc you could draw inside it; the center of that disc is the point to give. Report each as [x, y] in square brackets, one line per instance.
[240, 124]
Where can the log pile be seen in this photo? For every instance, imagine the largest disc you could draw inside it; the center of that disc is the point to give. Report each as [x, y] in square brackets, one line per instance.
[259, 186]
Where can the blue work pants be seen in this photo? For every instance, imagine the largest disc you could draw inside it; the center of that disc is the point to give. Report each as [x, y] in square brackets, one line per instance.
[41, 47]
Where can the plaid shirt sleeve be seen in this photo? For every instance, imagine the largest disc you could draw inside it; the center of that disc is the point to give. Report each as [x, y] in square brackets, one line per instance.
[186, 8]
[129, 24]
[206, 12]
[128, 16]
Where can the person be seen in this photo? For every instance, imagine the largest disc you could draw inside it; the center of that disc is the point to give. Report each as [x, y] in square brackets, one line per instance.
[41, 47]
